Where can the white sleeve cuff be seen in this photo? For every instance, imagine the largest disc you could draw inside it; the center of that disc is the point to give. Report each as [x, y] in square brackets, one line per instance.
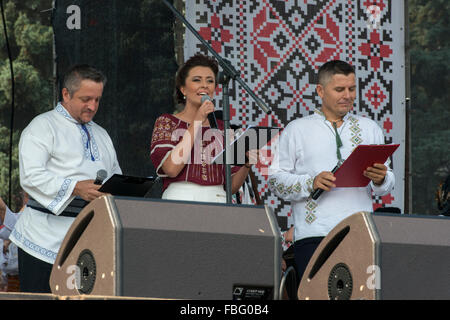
[10, 219]
[387, 185]
[4, 233]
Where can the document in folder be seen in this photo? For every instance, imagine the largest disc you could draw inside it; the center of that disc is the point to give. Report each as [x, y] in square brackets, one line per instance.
[350, 173]
[249, 139]
[127, 186]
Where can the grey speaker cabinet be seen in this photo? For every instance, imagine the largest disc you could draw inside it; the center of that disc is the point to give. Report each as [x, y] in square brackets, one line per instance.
[171, 250]
[381, 256]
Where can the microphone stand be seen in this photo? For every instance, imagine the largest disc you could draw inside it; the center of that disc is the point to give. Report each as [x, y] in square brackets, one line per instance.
[229, 73]
[224, 79]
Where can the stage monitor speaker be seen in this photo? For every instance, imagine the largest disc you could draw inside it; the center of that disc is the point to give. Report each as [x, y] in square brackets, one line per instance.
[138, 247]
[381, 256]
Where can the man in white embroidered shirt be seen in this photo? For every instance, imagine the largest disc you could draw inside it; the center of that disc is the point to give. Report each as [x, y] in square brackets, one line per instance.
[60, 152]
[310, 147]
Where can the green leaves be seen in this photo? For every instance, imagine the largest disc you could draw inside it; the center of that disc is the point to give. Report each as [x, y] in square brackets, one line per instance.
[430, 110]
[30, 37]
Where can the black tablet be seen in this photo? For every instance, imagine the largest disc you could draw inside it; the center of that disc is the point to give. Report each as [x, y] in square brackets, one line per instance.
[121, 185]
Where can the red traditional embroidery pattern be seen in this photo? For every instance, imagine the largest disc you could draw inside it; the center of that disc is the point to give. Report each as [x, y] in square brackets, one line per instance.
[278, 46]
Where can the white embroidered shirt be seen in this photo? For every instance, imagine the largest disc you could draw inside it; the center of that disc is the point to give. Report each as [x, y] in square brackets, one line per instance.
[55, 152]
[307, 147]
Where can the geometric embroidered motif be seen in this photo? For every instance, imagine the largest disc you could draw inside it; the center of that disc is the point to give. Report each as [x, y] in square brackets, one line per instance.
[310, 217]
[60, 195]
[310, 209]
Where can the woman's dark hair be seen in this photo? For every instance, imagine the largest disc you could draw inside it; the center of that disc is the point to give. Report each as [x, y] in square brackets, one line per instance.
[198, 60]
[443, 197]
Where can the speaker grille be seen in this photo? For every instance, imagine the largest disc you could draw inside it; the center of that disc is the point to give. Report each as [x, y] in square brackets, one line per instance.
[340, 283]
[88, 272]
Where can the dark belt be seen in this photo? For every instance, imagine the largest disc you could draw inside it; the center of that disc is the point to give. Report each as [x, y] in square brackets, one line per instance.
[72, 210]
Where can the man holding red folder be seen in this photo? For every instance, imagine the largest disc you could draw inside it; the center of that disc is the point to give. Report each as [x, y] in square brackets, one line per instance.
[310, 147]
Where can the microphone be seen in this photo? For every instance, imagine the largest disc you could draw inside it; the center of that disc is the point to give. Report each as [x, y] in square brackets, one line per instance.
[101, 175]
[211, 116]
[316, 193]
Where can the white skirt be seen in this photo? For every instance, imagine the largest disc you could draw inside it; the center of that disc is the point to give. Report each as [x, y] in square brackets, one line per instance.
[188, 191]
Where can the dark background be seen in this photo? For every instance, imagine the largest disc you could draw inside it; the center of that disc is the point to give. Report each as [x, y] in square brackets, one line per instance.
[132, 43]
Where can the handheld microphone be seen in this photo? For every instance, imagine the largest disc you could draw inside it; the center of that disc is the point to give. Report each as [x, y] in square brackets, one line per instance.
[316, 193]
[101, 175]
[211, 116]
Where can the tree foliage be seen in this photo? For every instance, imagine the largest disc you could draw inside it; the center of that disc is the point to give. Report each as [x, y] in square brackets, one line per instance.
[430, 114]
[30, 38]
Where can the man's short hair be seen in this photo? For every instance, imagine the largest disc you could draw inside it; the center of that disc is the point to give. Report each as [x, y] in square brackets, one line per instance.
[77, 73]
[330, 68]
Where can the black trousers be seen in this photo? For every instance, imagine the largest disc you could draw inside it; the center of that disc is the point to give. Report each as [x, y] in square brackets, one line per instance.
[304, 249]
[34, 274]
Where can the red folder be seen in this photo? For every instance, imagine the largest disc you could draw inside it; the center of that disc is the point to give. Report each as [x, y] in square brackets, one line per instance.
[350, 173]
